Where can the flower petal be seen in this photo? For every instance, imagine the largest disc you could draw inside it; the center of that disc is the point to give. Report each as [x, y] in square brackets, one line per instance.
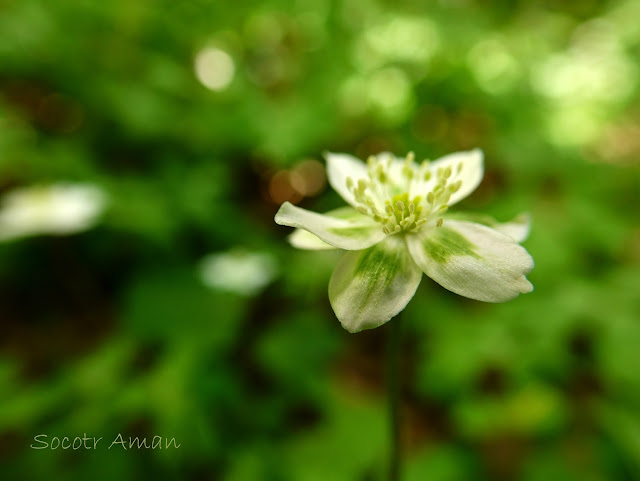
[341, 166]
[466, 167]
[369, 287]
[303, 239]
[473, 260]
[400, 183]
[349, 234]
[518, 228]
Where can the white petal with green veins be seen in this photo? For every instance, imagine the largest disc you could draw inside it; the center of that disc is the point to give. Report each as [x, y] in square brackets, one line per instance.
[303, 239]
[472, 260]
[355, 233]
[370, 287]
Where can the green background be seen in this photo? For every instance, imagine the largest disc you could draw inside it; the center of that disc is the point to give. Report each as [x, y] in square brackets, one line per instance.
[113, 331]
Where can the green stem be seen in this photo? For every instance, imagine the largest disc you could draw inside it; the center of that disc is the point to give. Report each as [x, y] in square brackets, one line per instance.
[393, 380]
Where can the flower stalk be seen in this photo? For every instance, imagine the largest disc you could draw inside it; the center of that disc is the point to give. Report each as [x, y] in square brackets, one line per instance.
[394, 389]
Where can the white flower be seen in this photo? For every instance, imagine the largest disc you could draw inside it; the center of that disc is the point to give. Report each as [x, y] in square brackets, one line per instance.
[398, 227]
[245, 273]
[57, 209]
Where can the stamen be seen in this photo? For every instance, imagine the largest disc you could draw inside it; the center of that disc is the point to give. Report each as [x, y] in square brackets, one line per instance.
[455, 187]
[386, 199]
[388, 209]
[349, 183]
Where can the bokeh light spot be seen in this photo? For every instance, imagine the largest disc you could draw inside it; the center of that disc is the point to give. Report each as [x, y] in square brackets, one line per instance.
[214, 68]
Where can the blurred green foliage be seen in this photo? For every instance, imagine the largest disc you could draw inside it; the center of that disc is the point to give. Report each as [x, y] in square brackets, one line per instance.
[192, 116]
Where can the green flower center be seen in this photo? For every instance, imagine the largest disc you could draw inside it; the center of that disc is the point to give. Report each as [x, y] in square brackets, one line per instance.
[388, 193]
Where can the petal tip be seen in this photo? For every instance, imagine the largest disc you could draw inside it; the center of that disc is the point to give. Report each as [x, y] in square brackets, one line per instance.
[279, 217]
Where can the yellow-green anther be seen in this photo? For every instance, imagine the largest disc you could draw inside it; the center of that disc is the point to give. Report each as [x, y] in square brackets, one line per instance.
[381, 174]
[460, 167]
[362, 185]
[386, 198]
[455, 187]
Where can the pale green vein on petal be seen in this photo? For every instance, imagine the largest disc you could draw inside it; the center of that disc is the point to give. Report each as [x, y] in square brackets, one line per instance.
[446, 242]
[473, 260]
[371, 286]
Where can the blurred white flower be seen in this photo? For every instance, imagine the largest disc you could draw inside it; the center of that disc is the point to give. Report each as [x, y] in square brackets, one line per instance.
[57, 209]
[245, 273]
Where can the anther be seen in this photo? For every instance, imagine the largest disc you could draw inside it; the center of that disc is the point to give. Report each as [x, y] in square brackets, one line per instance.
[439, 222]
[455, 187]
[400, 206]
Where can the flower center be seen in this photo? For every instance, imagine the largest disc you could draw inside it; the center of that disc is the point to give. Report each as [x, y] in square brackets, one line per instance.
[404, 196]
